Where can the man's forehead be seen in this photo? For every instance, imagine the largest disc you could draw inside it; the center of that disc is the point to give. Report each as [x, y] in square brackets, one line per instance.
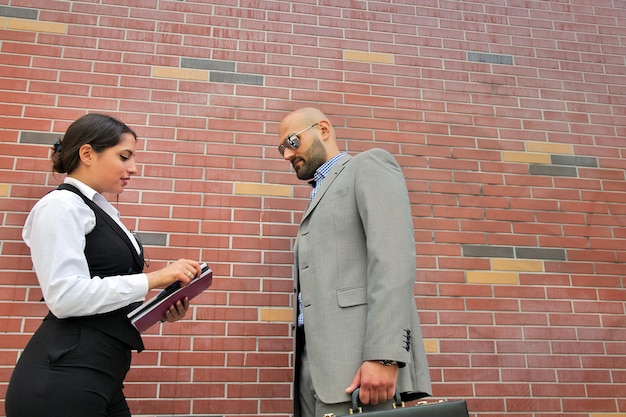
[287, 126]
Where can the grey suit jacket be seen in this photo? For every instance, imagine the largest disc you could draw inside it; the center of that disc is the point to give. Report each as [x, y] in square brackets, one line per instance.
[355, 267]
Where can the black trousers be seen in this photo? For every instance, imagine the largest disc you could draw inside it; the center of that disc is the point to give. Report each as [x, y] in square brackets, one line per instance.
[69, 369]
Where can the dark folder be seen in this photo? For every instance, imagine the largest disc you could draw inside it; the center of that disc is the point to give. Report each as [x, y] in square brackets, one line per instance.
[153, 311]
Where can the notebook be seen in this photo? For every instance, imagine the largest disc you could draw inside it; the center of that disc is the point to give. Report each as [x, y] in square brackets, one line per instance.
[153, 310]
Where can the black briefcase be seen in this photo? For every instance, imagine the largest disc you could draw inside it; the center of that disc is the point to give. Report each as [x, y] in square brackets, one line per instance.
[457, 408]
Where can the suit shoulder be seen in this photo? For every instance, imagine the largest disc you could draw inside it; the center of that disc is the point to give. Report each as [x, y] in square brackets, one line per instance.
[377, 155]
[373, 152]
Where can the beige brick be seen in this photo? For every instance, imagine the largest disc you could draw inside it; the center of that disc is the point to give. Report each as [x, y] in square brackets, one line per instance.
[607, 415]
[431, 345]
[276, 314]
[544, 147]
[526, 157]
[489, 277]
[368, 57]
[180, 73]
[4, 190]
[519, 265]
[36, 26]
[270, 190]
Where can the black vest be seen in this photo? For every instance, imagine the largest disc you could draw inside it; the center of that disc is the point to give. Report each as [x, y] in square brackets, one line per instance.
[110, 252]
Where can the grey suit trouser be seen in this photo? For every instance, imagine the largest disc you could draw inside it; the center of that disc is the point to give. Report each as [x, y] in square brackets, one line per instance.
[312, 406]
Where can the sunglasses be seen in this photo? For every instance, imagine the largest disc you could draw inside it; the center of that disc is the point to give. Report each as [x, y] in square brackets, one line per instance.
[292, 141]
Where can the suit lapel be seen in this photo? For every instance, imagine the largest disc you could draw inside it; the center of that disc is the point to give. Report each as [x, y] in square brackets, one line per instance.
[328, 180]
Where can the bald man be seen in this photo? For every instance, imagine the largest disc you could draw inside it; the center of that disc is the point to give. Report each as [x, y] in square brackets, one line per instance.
[356, 321]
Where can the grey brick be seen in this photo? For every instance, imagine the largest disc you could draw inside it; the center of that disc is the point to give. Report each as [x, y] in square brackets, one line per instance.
[207, 64]
[540, 253]
[553, 170]
[39, 138]
[19, 12]
[479, 251]
[583, 161]
[152, 239]
[490, 58]
[229, 77]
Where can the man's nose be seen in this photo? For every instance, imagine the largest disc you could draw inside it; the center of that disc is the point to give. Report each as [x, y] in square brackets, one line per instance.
[288, 154]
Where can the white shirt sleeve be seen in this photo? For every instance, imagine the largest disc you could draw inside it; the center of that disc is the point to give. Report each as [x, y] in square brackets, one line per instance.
[55, 233]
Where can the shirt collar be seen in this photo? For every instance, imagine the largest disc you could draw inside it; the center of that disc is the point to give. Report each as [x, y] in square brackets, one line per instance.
[93, 195]
[82, 187]
[325, 168]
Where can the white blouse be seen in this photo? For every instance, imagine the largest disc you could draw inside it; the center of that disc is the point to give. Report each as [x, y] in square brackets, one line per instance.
[55, 233]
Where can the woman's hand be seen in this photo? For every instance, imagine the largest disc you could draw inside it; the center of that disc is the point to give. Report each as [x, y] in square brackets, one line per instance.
[183, 270]
[177, 311]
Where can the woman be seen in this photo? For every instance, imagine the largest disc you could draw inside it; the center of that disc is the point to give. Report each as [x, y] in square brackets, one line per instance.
[89, 268]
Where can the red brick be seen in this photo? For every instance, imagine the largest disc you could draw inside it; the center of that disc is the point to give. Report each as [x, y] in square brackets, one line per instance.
[152, 406]
[191, 391]
[445, 119]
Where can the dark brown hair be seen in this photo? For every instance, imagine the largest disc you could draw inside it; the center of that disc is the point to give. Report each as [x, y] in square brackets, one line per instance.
[98, 130]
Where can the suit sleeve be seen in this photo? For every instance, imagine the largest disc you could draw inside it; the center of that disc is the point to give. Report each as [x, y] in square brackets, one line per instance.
[385, 211]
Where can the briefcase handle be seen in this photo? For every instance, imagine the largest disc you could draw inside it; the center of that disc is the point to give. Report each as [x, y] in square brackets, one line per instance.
[356, 408]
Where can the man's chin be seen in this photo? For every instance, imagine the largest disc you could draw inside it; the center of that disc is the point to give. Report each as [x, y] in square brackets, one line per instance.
[299, 172]
[302, 176]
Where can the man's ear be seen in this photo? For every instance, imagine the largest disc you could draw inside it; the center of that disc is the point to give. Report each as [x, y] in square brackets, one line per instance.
[86, 154]
[324, 129]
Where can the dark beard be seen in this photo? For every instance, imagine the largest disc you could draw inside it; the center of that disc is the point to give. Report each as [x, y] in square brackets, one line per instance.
[316, 156]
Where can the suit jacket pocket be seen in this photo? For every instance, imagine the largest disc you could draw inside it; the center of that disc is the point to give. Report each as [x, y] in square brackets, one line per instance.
[349, 297]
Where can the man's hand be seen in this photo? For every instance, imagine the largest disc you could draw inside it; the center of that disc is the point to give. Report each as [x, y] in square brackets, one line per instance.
[377, 382]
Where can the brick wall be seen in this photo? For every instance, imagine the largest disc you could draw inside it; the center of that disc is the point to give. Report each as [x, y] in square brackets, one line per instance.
[507, 116]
